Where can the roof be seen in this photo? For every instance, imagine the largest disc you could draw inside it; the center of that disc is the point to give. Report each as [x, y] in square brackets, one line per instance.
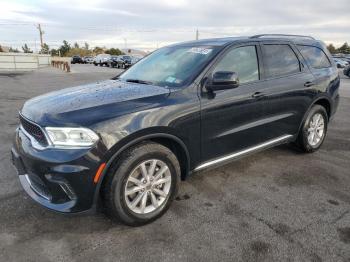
[298, 39]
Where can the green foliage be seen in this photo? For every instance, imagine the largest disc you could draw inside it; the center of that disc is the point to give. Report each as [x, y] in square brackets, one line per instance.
[344, 49]
[331, 49]
[45, 49]
[78, 51]
[13, 50]
[114, 51]
[26, 49]
[54, 52]
[98, 50]
[65, 48]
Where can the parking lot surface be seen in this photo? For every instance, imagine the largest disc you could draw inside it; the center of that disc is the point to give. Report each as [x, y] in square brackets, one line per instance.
[277, 205]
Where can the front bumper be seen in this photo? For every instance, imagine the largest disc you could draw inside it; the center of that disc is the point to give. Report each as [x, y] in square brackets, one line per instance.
[59, 179]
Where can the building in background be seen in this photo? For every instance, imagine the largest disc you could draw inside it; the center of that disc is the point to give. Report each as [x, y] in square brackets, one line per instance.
[134, 52]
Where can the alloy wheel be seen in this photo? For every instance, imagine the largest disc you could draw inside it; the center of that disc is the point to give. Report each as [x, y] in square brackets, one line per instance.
[316, 129]
[147, 186]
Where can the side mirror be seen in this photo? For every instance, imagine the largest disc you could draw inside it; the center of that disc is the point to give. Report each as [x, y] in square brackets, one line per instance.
[222, 80]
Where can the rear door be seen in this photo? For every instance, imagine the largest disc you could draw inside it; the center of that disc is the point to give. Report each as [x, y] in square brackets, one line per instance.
[288, 88]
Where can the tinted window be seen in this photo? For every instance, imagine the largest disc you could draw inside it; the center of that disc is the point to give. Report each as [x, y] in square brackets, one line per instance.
[315, 56]
[243, 61]
[280, 60]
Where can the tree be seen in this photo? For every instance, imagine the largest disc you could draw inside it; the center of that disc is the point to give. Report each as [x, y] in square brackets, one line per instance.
[331, 49]
[12, 50]
[97, 50]
[1, 50]
[45, 49]
[344, 49]
[54, 52]
[26, 49]
[86, 46]
[64, 49]
[114, 51]
[76, 45]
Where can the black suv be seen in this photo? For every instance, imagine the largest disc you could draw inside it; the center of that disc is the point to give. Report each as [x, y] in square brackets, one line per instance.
[129, 141]
[77, 60]
[123, 61]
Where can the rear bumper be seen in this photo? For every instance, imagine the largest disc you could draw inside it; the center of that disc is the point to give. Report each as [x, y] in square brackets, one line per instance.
[60, 180]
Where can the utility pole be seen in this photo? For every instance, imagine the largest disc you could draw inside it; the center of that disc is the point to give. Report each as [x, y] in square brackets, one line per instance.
[197, 34]
[125, 43]
[41, 32]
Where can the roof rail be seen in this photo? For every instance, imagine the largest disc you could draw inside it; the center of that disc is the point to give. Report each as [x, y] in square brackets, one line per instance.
[282, 35]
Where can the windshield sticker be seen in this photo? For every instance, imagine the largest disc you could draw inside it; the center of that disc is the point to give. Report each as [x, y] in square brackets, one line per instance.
[200, 50]
[170, 79]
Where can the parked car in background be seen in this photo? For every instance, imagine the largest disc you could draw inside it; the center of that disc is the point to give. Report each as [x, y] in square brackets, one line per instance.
[346, 59]
[346, 71]
[135, 59]
[123, 61]
[76, 59]
[113, 61]
[88, 60]
[340, 63]
[102, 59]
[127, 142]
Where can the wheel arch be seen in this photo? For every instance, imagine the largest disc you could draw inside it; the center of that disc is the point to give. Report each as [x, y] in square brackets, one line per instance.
[174, 143]
[325, 102]
[322, 101]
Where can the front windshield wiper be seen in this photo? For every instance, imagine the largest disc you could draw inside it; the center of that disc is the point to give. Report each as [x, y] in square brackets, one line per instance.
[139, 81]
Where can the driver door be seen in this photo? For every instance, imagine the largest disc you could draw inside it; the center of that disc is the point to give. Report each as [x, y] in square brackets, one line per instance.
[232, 119]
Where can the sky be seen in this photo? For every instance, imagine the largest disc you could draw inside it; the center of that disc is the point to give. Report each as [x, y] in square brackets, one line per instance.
[149, 24]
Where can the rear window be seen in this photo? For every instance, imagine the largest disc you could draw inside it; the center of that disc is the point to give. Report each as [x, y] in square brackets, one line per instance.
[315, 56]
[280, 60]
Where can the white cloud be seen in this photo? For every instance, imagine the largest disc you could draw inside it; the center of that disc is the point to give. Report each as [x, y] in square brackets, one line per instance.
[152, 23]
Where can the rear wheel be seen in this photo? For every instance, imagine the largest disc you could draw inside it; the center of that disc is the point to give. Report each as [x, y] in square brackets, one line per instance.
[142, 185]
[314, 129]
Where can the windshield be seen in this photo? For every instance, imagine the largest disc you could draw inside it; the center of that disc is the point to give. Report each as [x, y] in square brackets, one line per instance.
[170, 66]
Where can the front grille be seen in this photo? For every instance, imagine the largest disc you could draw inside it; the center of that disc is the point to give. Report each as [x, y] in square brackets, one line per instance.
[33, 130]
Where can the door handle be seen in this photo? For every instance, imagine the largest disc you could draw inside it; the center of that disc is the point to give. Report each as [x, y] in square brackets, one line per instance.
[309, 83]
[258, 94]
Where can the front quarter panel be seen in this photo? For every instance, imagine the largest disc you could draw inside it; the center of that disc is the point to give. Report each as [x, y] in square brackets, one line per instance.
[178, 115]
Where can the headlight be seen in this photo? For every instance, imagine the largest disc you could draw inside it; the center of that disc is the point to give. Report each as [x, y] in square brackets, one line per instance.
[71, 137]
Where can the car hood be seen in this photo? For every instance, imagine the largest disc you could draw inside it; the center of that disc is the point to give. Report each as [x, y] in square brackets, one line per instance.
[86, 104]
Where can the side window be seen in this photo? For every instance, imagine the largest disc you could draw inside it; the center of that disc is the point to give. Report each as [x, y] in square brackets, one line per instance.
[280, 60]
[243, 61]
[315, 56]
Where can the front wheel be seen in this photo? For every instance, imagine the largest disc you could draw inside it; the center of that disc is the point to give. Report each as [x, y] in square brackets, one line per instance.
[313, 130]
[142, 185]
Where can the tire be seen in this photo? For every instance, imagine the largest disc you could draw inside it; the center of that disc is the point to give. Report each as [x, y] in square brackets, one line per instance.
[95, 64]
[305, 135]
[119, 205]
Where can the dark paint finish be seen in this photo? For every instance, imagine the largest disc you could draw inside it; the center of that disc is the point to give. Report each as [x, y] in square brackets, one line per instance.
[204, 125]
